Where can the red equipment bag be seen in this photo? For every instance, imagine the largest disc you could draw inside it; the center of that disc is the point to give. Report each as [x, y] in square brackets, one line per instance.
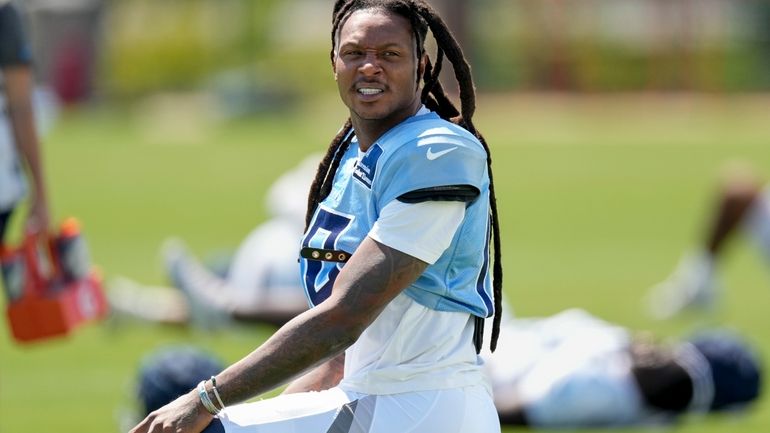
[51, 287]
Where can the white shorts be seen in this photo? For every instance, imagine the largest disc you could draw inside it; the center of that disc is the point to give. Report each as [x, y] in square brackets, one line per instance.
[461, 410]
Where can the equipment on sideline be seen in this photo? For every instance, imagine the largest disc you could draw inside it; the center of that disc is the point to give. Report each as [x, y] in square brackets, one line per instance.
[50, 284]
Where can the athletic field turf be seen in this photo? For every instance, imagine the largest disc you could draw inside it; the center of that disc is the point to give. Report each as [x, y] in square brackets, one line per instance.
[598, 197]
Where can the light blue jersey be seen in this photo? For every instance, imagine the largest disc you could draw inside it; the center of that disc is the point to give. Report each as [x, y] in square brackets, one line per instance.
[414, 161]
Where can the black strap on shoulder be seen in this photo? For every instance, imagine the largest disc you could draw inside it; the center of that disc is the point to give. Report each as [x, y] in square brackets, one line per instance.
[462, 193]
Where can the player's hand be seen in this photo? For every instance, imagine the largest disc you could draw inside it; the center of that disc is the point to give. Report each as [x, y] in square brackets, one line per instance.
[184, 415]
[38, 219]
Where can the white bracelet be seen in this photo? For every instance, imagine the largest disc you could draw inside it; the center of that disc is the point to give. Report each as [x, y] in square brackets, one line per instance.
[206, 400]
[216, 393]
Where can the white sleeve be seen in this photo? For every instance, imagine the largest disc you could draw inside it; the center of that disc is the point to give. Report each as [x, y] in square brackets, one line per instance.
[422, 230]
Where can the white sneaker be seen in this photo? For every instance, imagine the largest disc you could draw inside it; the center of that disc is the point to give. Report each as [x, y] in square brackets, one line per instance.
[198, 284]
[691, 287]
[147, 303]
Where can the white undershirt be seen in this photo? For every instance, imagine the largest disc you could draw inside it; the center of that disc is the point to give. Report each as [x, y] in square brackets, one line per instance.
[410, 347]
[422, 230]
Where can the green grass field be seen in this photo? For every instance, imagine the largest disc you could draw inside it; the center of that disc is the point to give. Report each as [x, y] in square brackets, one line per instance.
[598, 198]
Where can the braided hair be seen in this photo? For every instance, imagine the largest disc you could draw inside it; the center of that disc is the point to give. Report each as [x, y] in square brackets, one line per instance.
[423, 18]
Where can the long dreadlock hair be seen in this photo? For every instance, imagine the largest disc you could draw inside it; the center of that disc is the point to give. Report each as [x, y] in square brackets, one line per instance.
[423, 18]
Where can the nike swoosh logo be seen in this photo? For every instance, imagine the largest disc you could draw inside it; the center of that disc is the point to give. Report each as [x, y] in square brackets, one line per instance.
[435, 155]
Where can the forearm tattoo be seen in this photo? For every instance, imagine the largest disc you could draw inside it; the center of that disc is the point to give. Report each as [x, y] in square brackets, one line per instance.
[370, 280]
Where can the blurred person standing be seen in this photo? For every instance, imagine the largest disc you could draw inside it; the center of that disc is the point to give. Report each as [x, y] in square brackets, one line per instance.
[395, 259]
[20, 159]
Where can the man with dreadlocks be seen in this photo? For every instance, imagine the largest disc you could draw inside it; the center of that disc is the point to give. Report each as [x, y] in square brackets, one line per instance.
[395, 256]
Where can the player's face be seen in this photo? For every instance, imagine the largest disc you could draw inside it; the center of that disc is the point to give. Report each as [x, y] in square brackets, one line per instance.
[376, 68]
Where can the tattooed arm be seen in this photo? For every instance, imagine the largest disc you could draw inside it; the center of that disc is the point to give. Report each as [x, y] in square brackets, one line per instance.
[374, 276]
[325, 376]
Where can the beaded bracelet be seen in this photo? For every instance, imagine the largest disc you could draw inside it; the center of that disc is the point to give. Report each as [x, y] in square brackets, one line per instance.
[206, 400]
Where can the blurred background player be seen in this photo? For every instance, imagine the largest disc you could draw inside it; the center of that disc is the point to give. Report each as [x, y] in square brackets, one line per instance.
[20, 159]
[166, 373]
[742, 202]
[260, 284]
[573, 370]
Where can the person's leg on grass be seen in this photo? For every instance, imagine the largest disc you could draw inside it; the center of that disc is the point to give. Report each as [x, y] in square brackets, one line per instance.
[693, 285]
